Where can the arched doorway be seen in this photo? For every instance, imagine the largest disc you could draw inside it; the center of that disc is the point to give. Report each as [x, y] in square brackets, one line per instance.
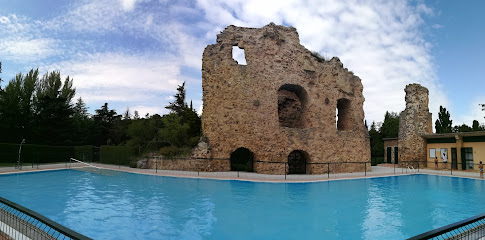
[297, 162]
[242, 160]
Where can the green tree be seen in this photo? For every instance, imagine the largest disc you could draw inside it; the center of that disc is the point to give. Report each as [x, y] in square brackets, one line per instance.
[0, 77]
[390, 126]
[462, 128]
[377, 145]
[178, 105]
[173, 132]
[17, 107]
[476, 126]
[443, 123]
[105, 126]
[54, 110]
[82, 123]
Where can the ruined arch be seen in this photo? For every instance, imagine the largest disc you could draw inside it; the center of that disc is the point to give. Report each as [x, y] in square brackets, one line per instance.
[242, 159]
[297, 162]
[292, 101]
[343, 115]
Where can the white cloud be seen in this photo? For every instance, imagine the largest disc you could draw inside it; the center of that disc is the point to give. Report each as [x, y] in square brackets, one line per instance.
[151, 110]
[128, 5]
[121, 79]
[27, 50]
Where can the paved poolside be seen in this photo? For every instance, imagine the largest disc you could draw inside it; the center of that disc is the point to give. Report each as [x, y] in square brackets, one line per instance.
[377, 171]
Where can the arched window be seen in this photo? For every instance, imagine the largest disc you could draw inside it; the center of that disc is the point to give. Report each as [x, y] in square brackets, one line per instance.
[343, 115]
[242, 160]
[292, 100]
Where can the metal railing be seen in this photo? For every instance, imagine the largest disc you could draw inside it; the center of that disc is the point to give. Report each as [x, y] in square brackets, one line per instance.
[282, 168]
[87, 164]
[18, 222]
[470, 228]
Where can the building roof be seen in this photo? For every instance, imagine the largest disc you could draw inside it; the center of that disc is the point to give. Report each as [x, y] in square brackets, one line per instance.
[451, 135]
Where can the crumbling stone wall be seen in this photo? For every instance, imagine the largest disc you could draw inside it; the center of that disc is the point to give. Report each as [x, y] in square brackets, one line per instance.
[414, 122]
[283, 100]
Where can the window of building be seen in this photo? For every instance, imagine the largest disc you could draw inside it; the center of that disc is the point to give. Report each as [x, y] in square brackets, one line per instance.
[238, 55]
[432, 153]
[343, 115]
[291, 106]
[469, 157]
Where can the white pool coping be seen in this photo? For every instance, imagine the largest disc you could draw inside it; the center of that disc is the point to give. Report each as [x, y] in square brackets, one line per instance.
[376, 171]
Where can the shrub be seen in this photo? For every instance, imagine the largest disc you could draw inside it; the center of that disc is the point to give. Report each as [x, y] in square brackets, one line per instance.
[119, 155]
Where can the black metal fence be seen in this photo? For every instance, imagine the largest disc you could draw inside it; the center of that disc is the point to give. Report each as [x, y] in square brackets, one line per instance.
[471, 228]
[200, 165]
[17, 222]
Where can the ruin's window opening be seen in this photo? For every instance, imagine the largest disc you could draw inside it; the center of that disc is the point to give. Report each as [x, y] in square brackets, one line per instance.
[343, 115]
[242, 160]
[291, 106]
[297, 162]
[239, 55]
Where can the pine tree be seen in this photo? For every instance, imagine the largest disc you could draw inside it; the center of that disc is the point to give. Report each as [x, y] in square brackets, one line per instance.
[443, 123]
[178, 105]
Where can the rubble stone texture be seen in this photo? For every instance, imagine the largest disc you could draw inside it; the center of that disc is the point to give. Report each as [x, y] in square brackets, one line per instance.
[414, 122]
[284, 99]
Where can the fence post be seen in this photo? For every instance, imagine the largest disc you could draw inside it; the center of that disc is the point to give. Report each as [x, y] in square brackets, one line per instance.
[156, 165]
[451, 169]
[394, 167]
[365, 169]
[285, 170]
[328, 170]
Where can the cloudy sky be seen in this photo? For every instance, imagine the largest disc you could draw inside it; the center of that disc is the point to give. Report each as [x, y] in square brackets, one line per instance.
[133, 53]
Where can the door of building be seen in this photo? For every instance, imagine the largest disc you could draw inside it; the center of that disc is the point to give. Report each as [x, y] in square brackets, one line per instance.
[389, 155]
[396, 155]
[454, 158]
[297, 162]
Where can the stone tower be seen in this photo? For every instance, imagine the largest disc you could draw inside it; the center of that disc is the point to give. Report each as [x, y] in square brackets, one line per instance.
[282, 106]
[414, 122]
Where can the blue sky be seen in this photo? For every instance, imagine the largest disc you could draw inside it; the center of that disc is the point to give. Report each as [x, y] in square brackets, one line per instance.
[133, 53]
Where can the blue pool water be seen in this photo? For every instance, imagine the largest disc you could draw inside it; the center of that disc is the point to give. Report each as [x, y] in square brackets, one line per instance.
[133, 206]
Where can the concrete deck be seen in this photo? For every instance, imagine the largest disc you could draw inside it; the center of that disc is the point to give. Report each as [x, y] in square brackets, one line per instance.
[377, 171]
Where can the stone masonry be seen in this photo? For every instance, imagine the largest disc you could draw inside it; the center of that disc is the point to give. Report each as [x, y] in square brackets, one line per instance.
[284, 99]
[414, 122]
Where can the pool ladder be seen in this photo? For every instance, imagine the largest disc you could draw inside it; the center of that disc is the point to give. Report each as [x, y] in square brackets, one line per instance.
[411, 169]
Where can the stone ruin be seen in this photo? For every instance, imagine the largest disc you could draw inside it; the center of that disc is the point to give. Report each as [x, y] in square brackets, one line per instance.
[414, 121]
[286, 105]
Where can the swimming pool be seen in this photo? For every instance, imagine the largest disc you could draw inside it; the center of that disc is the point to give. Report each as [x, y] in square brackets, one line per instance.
[135, 206]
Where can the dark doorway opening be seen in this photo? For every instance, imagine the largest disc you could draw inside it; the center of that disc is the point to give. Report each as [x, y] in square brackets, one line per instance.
[297, 161]
[389, 155]
[454, 159]
[242, 160]
[396, 154]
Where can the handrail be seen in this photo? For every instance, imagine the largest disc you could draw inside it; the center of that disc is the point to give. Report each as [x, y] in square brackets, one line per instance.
[79, 161]
[411, 169]
[449, 229]
[58, 227]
